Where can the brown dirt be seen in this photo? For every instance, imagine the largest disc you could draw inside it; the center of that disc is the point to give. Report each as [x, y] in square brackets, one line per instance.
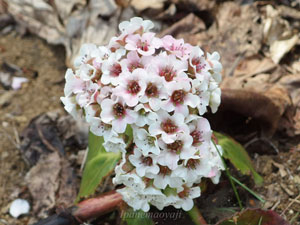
[40, 94]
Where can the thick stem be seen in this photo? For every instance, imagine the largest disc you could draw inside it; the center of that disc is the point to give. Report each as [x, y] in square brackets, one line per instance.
[94, 207]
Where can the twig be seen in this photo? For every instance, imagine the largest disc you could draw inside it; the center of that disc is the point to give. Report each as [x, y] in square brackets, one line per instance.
[261, 139]
[289, 205]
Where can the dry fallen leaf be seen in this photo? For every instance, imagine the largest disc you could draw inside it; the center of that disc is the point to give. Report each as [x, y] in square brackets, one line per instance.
[278, 34]
[141, 5]
[70, 23]
[184, 27]
[42, 182]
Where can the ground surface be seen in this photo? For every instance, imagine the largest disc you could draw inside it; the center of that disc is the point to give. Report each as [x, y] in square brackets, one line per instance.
[39, 95]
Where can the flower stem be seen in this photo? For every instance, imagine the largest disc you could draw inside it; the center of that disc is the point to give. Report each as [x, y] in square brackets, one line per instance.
[229, 177]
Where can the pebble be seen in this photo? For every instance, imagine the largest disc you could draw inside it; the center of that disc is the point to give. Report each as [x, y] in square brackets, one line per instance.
[19, 207]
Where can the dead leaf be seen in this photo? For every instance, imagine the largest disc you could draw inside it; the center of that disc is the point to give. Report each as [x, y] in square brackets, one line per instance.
[70, 23]
[252, 66]
[196, 4]
[190, 24]
[40, 138]
[141, 5]
[281, 167]
[42, 181]
[68, 185]
[237, 32]
[278, 34]
[51, 181]
[280, 47]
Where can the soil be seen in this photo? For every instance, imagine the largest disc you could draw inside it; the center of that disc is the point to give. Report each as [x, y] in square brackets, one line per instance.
[44, 67]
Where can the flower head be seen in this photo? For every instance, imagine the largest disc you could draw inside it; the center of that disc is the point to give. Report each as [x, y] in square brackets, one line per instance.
[146, 96]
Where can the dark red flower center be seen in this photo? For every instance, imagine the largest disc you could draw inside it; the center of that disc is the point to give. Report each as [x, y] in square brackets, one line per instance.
[178, 96]
[164, 170]
[147, 161]
[192, 163]
[135, 65]
[175, 147]
[119, 110]
[169, 127]
[116, 69]
[168, 73]
[133, 87]
[151, 90]
[197, 137]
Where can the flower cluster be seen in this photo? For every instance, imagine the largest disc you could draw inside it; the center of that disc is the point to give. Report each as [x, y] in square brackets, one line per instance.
[159, 88]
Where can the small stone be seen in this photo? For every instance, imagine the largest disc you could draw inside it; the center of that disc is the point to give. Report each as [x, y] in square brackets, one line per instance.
[19, 207]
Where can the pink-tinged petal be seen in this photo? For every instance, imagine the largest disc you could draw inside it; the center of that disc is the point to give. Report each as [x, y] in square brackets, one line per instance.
[182, 109]
[130, 46]
[156, 43]
[133, 38]
[146, 53]
[167, 105]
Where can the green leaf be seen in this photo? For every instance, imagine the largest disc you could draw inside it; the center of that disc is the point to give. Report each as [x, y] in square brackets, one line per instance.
[99, 164]
[254, 217]
[129, 134]
[238, 156]
[136, 217]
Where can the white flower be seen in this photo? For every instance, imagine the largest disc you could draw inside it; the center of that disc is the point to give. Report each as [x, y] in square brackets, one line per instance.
[215, 97]
[185, 200]
[132, 86]
[168, 126]
[111, 68]
[143, 164]
[200, 88]
[145, 115]
[86, 52]
[135, 24]
[117, 114]
[73, 83]
[192, 169]
[70, 105]
[88, 95]
[164, 178]
[134, 61]
[169, 67]
[144, 44]
[181, 148]
[154, 92]
[199, 129]
[146, 142]
[214, 62]
[198, 62]
[180, 98]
